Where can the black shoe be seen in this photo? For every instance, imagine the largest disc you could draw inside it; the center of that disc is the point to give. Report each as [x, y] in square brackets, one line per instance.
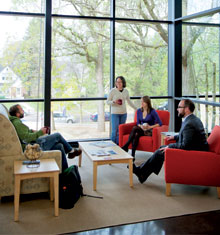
[134, 167]
[75, 153]
[141, 178]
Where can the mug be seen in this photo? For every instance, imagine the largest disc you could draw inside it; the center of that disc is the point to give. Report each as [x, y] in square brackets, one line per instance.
[120, 101]
[47, 129]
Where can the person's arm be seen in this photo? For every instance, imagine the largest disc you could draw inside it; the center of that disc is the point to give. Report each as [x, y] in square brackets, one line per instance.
[110, 100]
[187, 139]
[139, 117]
[148, 127]
[130, 102]
[156, 120]
[25, 134]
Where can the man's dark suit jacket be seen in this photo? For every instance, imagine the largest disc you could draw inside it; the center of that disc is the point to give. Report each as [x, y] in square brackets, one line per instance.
[191, 136]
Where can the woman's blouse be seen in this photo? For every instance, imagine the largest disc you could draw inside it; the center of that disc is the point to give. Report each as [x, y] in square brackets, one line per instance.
[114, 95]
[151, 118]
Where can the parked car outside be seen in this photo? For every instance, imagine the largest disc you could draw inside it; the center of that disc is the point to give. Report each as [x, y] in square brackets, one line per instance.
[94, 117]
[59, 117]
[163, 106]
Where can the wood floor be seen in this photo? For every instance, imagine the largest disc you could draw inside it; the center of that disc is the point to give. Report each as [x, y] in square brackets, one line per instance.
[201, 223]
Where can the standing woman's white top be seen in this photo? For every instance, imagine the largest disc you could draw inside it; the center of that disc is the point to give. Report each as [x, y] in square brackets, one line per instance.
[117, 98]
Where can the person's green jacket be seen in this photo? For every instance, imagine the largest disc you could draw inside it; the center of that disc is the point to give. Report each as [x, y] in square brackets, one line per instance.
[25, 134]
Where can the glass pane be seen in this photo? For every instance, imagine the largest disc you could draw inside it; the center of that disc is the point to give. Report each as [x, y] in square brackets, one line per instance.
[141, 9]
[34, 6]
[157, 104]
[82, 7]
[209, 115]
[200, 60]
[81, 119]
[81, 51]
[215, 19]
[21, 57]
[141, 57]
[193, 6]
[89, 119]
[33, 114]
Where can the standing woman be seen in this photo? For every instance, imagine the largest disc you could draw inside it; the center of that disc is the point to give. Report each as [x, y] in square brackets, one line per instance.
[117, 97]
[147, 119]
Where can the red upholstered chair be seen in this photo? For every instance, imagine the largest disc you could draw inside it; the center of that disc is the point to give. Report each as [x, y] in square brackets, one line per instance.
[194, 167]
[146, 143]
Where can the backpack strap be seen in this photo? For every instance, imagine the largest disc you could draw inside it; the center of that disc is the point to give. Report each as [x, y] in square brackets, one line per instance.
[87, 195]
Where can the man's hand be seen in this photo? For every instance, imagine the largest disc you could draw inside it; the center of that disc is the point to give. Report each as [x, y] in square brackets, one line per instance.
[170, 138]
[163, 149]
[44, 129]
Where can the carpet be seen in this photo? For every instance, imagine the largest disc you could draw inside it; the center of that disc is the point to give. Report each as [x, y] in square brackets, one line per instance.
[120, 204]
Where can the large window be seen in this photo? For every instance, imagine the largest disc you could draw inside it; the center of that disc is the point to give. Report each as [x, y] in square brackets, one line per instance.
[136, 9]
[90, 45]
[200, 60]
[21, 57]
[80, 59]
[35, 6]
[141, 56]
[194, 6]
[82, 7]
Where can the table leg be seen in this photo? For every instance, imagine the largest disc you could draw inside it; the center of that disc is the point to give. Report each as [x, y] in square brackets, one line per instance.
[94, 175]
[163, 137]
[56, 194]
[80, 160]
[51, 189]
[16, 197]
[131, 172]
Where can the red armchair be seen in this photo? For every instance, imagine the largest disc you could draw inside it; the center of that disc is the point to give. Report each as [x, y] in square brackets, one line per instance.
[146, 143]
[194, 167]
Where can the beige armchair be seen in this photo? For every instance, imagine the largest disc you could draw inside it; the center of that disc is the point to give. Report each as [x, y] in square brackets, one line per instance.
[11, 150]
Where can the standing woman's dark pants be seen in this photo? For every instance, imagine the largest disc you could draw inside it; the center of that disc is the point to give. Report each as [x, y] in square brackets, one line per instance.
[134, 137]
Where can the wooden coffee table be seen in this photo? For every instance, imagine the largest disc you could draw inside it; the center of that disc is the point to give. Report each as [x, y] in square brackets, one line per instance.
[120, 157]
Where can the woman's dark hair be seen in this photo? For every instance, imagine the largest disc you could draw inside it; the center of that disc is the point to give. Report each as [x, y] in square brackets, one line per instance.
[14, 109]
[146, 99]
[188, 103]
[122, 79]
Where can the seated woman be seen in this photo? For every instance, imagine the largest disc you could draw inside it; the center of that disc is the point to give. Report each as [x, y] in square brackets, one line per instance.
[147, 119]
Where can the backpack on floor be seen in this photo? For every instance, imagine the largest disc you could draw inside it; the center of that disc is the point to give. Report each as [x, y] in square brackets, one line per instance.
[70, 187]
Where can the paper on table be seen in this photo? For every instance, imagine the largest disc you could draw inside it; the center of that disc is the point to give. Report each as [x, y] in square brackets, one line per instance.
[102, 152]
[102, 144]
[99, 153]
[170, 133]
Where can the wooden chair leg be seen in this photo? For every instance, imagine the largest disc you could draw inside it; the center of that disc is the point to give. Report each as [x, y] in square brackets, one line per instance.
[168, 189]
[218, 191]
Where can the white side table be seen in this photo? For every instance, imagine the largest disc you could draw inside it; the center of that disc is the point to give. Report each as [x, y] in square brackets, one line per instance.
[47, 168]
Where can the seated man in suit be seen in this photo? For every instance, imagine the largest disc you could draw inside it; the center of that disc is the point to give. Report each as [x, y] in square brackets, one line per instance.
[191, 137]
[48, 142]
